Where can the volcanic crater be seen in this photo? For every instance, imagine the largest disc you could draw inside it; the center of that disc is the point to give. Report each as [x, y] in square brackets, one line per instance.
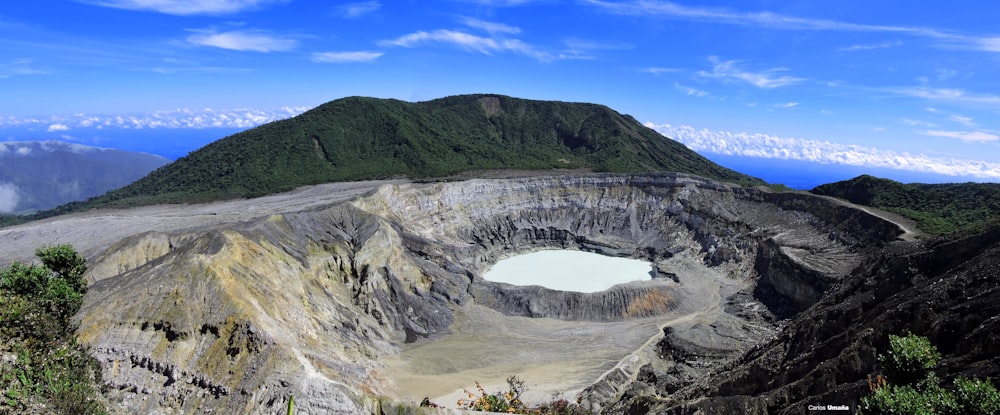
[357, 297]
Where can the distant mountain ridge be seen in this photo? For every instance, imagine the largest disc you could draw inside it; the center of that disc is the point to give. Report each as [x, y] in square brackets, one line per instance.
[937, 208]
[359, 138]
[39, 175]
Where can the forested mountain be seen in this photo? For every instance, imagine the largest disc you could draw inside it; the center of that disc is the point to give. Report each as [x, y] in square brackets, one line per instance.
[937, 208]
[367, 138]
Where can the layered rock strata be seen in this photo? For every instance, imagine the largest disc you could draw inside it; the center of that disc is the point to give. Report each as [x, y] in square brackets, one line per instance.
[238, 318]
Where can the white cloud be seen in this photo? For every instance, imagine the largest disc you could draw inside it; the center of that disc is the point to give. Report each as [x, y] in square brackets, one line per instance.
[356, 10]
[18, 67]
[490, 27]
[787, 105]
[966, 121]
[952, 95]
[917, 123]
[185, 7]
[9, 197]
[965, 136]
[656, 70]
[498, 3]
[248, 41]
[766, 20]
[57, 127]
[341, 57]
[777, 21]
[730, 71]
[691, 92]
[945, 74]
[22, 151]
[484, 45]
[581, 48]
[769, 146]
[177, 118]
[883, 45]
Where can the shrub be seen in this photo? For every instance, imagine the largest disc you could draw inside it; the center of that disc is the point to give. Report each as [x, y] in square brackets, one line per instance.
[910, 359]
[977, 396]
[51, 371]
[911, 387]
[510, 402]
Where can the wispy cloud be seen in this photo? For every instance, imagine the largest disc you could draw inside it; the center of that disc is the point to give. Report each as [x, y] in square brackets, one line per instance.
[658, 70]
[777, 21]
[184, 7]
[343, 57]
[952, 95]
[467, 41]
[786, 105]
[769, 146]
[243, 40]
[766, 20]
[498, 3]
[584, 49]
[691, 92]
[965, 136]
[57, 127]
[359, 9]
[966, 121]
[917, 123]
[489, 27]
[730, 71]
[871, 46]
[18, 67]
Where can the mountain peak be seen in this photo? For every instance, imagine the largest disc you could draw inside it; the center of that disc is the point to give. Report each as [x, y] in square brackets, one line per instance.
[359, 138]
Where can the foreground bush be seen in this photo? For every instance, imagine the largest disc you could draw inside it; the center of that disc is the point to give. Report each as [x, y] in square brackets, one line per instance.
[42, 368]
[509, 401]
[910, 386]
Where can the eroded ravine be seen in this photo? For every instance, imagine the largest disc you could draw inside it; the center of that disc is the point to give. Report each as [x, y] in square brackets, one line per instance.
[311, 301]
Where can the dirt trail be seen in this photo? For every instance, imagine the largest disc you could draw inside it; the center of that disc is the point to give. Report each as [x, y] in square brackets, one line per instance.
[93, 231]
[909, 228]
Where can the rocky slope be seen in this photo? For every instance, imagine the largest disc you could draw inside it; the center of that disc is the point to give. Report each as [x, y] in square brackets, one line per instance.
[946, 289]
[240, 317]
[311, 299]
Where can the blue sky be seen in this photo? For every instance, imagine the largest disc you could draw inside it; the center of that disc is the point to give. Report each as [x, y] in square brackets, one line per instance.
[887, 84]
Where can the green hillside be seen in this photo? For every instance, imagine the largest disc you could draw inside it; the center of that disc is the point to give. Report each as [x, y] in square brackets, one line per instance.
[367, 138]
[937, 208]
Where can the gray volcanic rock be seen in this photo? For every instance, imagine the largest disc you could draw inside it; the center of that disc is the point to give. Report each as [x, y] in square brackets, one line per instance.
[238, 317]
[947, 289]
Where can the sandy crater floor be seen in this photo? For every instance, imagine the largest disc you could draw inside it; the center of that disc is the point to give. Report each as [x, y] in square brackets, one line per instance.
[553, 357]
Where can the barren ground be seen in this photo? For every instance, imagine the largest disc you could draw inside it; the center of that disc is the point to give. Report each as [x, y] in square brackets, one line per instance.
[93, 231]
[553, 357]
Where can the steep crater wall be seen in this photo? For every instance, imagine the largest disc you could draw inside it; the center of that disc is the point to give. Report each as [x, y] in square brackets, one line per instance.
[305, 302]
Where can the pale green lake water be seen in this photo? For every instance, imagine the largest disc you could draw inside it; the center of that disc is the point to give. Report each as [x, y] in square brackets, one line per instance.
[567, 270]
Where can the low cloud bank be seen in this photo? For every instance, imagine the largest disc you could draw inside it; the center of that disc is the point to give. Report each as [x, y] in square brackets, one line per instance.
[177, 118]
[769, 146]
[9, 197]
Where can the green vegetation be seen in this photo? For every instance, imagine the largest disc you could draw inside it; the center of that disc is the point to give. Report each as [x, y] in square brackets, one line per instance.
[41, 365]
[911, 387]
[366, 138]
[510, 402]
[937, 208]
